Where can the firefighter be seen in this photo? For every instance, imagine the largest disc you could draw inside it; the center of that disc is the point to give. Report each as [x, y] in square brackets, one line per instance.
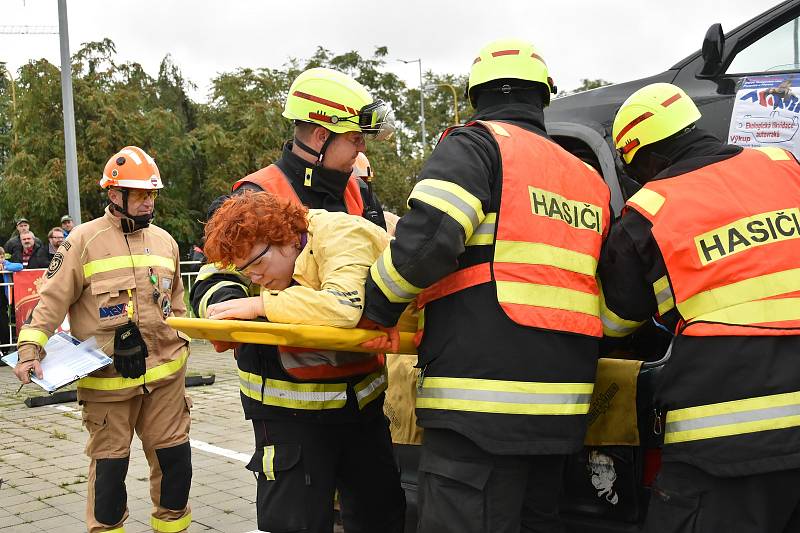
[503, 234]
[118, 276]
[709, 246]
[333, 115]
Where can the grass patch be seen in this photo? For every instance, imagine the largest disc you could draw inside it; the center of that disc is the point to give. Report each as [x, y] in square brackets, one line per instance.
[58, 435]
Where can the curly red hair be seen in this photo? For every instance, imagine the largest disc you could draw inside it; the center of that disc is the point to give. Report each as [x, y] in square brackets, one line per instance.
[247, 219]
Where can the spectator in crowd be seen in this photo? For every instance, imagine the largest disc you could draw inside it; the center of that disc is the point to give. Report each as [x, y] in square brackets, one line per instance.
[13, 244]
[66, 225]
[6, 266]
[54, 239]
[31, 253]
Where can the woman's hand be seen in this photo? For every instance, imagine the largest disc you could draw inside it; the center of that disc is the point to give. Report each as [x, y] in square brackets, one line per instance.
[240, 308]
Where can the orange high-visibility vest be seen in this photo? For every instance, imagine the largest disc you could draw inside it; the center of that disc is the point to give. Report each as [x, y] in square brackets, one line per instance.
[273, 179]
[729, 234]
[303, 363]
[553, 217]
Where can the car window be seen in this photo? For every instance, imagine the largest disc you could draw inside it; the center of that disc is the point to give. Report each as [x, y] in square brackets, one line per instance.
[779, 50]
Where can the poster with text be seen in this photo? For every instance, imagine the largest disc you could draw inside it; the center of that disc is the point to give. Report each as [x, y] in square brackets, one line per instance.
[765, 113]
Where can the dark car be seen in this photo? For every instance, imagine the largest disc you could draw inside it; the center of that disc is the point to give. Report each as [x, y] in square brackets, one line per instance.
[768, 44]
[606, 488]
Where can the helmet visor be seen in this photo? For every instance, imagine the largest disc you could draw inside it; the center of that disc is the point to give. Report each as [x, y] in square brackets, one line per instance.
[376, 120]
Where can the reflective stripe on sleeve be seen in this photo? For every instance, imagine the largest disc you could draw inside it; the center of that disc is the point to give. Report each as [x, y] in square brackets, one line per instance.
[171, 526]
[394, 286]
[209, 269]
[740, 292]
[451, 199]
[127, 261]
[370, 387]
[613, 324]
[152, 374]
[311, 396]
[534, 253]
[736, 417]
[664, 297]
[32, 335]
[506, 397]
[202, 308]
[484, 233]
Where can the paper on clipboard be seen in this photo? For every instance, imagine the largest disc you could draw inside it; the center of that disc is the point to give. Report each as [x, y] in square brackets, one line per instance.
[67, 360]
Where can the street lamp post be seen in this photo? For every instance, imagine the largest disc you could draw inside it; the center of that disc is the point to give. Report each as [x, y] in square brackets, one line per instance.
[455, 98]
[70, 151]
[421, 101]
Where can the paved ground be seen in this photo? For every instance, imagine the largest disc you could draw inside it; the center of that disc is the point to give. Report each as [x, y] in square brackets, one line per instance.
[43, 467]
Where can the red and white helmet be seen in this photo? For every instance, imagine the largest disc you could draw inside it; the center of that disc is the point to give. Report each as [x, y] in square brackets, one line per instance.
[131, 168]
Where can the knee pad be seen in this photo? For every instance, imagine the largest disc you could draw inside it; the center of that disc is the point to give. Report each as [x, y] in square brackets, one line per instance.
[110, 496]
[176, 475]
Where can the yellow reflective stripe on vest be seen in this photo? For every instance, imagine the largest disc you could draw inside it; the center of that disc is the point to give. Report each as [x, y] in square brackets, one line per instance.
[152, 374]
[648, 200]
[536, 253]
[126, 261]
[370, 387]
[613, 324]
[776, 154]
[278, 393]
[758, 312]
[32, 335]
[451, 199]
[394, 286]
[202, 308]
[740, 292]
[507, 397]
[664, 297]
[737, 417]
[171, 526]
[516, 292]
[268, 462]
[484, 233]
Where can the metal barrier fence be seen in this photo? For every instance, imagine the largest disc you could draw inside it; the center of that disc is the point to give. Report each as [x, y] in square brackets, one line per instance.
[187, 276]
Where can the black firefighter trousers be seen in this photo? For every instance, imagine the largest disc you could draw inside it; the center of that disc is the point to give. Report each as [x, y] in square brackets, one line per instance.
[464, 489]
[686, 499]
[301, 464]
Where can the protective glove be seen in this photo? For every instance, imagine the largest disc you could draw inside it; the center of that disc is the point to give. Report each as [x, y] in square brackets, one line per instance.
[385, 344]
[130, 351]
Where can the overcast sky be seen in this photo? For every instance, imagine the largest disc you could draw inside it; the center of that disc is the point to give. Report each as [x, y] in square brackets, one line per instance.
[613, 40]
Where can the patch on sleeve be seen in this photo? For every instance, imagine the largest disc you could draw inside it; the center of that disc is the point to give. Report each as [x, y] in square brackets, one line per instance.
[66, 246]
[55, 264]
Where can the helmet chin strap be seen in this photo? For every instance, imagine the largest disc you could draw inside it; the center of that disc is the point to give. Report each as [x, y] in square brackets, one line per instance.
[319, 155]
[130, 223]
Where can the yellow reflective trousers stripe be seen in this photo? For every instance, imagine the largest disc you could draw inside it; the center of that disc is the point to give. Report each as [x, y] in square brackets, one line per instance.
[32, 335]
[268, 462]
[172, 526]
[740, 292]
[764, 413]
[126, 261]
[516, 292]
[504, 397]
[535, 253]
[152, 374]
[451, 199]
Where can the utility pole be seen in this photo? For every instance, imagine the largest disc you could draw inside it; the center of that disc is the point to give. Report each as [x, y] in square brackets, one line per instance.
[421, 101]
[70, 151]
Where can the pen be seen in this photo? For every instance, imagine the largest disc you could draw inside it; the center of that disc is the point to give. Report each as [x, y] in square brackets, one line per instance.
[30, 375]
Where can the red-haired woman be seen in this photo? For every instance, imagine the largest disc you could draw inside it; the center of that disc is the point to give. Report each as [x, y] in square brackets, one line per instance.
[327, 430]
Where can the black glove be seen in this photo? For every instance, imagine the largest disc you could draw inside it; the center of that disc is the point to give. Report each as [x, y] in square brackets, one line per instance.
[130, 351]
